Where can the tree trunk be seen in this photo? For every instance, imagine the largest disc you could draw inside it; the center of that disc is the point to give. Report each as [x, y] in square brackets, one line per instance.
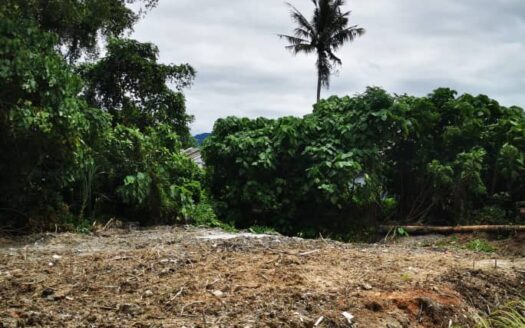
[421, 230]
[318, 87]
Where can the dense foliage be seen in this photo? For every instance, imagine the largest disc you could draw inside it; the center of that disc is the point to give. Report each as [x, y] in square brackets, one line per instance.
[78, 24]
[371, 158]
[92, 140]
[130, 84]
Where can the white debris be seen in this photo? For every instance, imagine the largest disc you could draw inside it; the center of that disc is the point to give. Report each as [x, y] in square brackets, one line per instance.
[225, 235]
[348, 317]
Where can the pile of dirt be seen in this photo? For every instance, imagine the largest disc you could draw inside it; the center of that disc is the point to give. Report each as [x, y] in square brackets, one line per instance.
[189, 277]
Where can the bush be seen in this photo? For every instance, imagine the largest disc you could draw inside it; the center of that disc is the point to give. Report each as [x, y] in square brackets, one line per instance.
[359, 161]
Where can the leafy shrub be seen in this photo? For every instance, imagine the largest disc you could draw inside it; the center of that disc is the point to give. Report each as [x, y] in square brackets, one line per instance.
[203, 214]
[368, 159]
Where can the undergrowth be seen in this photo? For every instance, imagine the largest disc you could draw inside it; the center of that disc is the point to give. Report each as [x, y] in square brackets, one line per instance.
[510, 316]
[480, 245]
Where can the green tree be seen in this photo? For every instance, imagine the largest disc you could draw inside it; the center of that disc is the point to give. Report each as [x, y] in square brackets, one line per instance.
[46, 131]
[107, 146]
[324, 34]
[79, 24]
[132, 86]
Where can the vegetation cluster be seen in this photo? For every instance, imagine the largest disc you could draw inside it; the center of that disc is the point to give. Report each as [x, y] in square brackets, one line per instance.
[84, 135]
[370, 159]
[87, 134]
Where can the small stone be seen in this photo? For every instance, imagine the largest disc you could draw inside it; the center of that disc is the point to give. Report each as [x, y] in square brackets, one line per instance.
[148, 293]
[218, 293]
[48, 292]
[366, 286]
[129, 309]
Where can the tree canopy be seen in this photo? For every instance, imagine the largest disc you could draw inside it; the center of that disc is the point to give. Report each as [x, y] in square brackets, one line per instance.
[130, 84]
[79, 24]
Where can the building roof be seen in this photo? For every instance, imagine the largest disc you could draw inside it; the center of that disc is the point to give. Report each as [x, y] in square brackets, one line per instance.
[195, 155]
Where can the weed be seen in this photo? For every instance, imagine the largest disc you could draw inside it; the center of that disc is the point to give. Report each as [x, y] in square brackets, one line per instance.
[406, 277]
[480, 245]
[261, 230]
[204, 215]
[401, 232]
[510, 316]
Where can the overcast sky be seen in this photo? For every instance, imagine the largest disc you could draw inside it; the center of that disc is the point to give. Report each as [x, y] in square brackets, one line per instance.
[411, 46]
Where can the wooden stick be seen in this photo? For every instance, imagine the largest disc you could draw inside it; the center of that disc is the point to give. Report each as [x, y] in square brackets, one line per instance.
[455, 229]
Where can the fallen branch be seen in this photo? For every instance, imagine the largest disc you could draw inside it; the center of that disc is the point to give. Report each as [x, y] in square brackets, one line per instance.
[420, 230]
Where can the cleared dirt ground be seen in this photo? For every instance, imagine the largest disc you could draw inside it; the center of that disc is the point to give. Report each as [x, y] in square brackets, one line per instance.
[189, 277]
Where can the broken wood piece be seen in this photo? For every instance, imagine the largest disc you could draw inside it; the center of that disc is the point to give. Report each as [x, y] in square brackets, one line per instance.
[422, 229]
[309, 252]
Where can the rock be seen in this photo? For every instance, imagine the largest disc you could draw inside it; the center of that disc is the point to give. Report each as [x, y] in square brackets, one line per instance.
[47, 292]
[129, 309]
[218, 293]
[374, 306]
[366, 286]
[148, 293]
[394, 324]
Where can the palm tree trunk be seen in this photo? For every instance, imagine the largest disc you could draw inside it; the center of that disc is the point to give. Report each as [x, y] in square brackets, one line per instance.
[318, 87]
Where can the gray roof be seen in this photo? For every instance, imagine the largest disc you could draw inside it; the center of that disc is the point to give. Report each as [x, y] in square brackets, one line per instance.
[195, 155]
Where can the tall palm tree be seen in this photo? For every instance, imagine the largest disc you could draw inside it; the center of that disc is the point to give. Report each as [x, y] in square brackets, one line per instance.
[324, 34]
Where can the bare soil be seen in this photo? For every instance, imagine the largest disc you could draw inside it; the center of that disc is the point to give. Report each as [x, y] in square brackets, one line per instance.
[190, 277]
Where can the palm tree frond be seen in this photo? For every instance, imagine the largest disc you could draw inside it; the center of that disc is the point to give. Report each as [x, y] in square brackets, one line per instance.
[300, 19]
[302, 33]
[334, 58]
[305, 48]
[347, 35]
[297, 44]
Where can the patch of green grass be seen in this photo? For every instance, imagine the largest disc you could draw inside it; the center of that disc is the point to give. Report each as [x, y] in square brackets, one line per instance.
[406, 277]
[203, 215]
[261, 230]
[480, 245]
[74, 224]
[510, 316]
[447, 242]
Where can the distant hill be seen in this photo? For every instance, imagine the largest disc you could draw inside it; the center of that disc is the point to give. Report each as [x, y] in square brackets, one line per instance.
[200, 137]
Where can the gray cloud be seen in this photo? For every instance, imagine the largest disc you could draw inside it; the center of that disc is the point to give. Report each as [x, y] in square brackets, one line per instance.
[411, 46]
